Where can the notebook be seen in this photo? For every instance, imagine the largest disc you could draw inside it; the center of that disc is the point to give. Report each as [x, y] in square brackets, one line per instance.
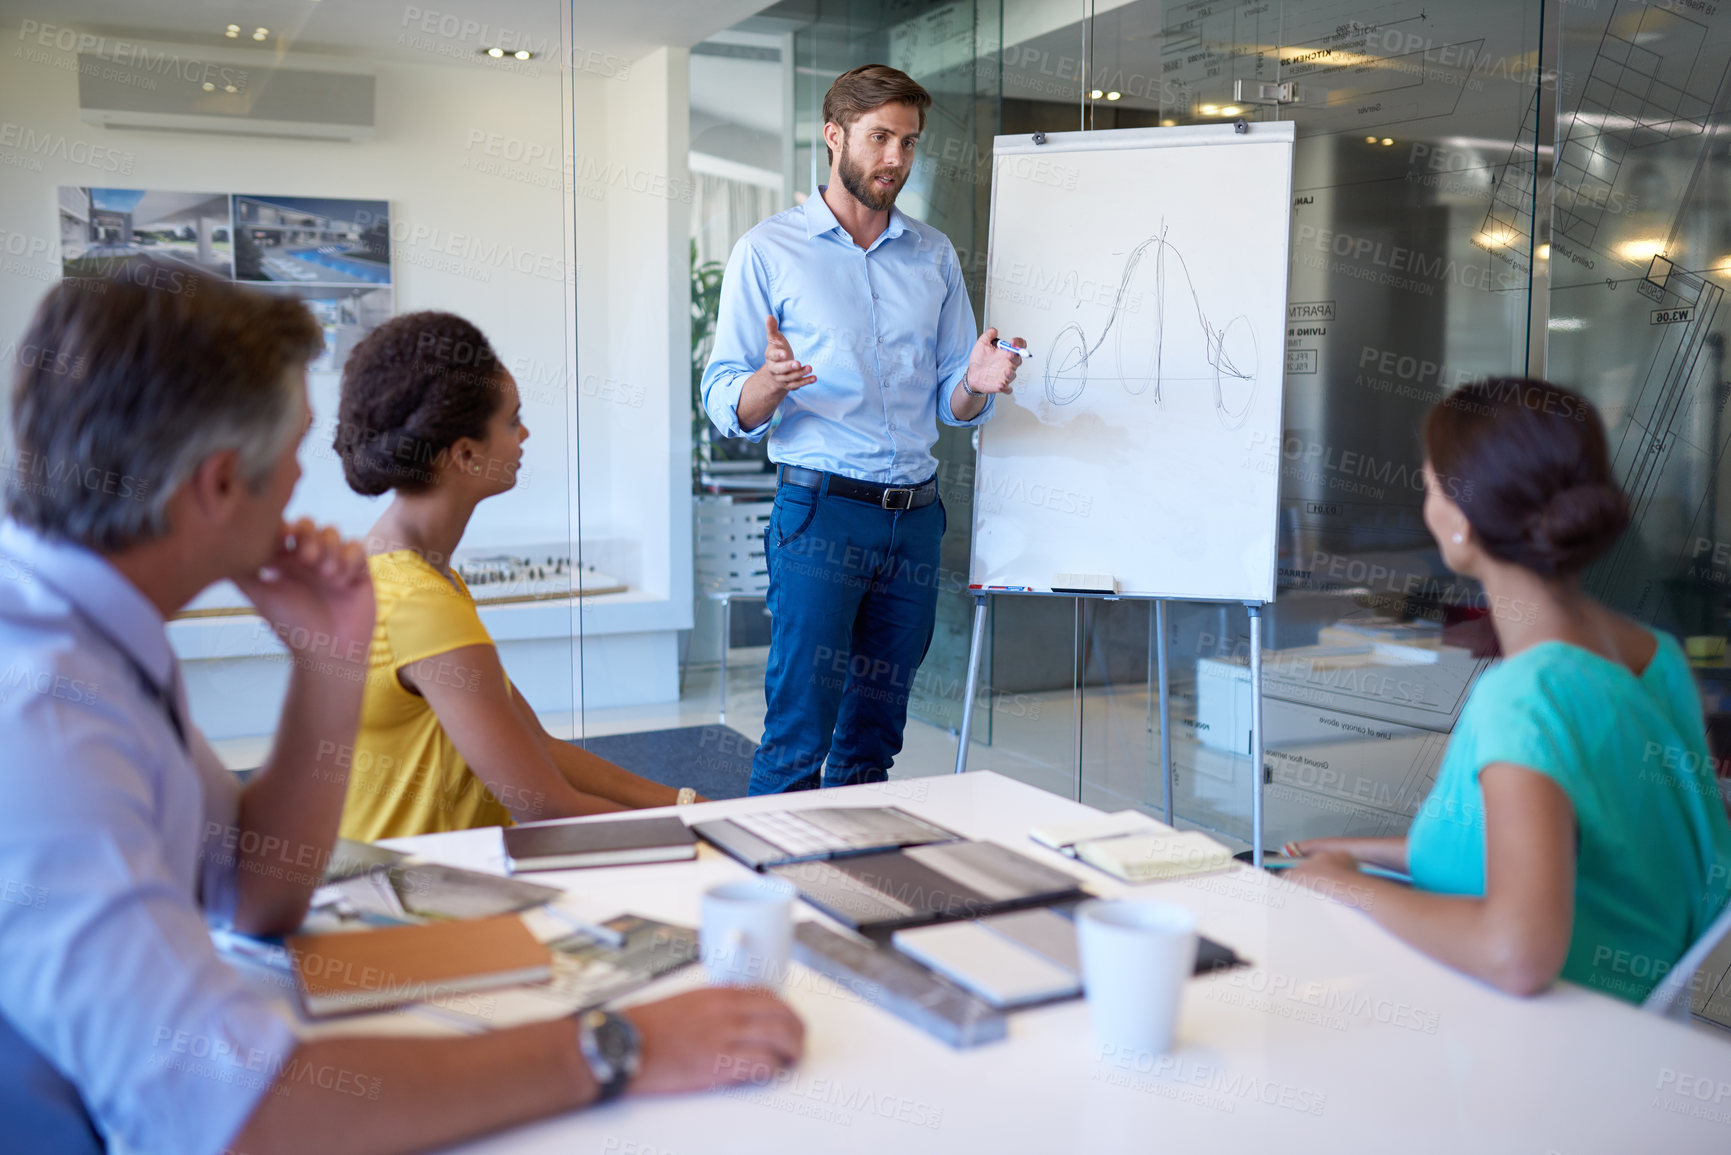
[1151, 857]
[367, 969]
[1131, 846]
[590, 968]
[883, 892]
[774, 837]
[1064, 836]
[566, 845]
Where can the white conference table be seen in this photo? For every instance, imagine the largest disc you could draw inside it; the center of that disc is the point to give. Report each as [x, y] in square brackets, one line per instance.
[1337, 1037]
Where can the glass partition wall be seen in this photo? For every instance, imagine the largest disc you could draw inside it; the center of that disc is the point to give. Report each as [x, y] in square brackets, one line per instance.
[1412, 270]
[524, 168]
[1480, 188]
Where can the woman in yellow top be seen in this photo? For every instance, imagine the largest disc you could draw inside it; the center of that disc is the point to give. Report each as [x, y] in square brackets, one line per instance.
[446, 742]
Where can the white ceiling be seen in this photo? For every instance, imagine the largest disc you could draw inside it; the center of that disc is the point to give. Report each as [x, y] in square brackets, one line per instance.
[377, 28]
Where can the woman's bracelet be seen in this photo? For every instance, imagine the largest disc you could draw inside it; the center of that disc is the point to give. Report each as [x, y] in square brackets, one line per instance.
[686, 796]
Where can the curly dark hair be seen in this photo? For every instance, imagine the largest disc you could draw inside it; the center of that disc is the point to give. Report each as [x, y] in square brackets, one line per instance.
[412, 388]
[1527, 463]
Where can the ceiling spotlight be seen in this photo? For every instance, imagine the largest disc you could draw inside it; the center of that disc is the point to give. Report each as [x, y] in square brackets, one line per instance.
[1642, 250]
[1209, 110]
[1096, 94]
[230, 88]
[1544, 252]
[260, 33]
[1387, 140]
[1231, 110]
[495, 53]
[1114, 96]
[233, 31]
[522, 54]
[1370, 140]
[1168, 123]
[209, 87]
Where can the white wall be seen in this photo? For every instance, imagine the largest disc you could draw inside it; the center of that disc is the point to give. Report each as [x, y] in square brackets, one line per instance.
[489, 200]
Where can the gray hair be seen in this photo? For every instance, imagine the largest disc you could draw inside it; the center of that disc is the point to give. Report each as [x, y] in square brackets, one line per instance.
[126, 383]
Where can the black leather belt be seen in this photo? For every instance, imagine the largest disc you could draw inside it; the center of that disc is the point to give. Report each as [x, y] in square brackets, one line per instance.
[883, 496]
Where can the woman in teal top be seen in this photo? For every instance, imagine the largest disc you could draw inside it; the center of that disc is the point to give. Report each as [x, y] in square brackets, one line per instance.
[1575, 827]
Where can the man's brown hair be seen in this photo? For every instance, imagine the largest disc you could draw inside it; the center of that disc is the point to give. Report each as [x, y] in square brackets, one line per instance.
[859, 90]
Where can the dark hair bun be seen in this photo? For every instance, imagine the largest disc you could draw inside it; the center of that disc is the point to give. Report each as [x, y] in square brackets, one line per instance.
[1531, 467]
[411, 388]
[1578, 526]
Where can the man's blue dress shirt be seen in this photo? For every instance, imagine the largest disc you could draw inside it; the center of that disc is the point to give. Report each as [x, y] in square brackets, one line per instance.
[116, 842]
[887, 331]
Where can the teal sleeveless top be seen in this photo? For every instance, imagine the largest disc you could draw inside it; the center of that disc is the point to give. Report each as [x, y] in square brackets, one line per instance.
[1653, 856]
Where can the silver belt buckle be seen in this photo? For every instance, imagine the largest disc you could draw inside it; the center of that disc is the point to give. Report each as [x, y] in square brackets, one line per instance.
[897, 498]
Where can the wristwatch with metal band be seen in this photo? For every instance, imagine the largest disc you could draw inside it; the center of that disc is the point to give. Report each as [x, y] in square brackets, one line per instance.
[612, 1049]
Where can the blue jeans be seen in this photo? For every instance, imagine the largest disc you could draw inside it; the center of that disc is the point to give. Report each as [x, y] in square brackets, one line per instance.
[853, 596]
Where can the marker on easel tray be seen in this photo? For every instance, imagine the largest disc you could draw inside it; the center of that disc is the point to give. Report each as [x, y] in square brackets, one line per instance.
[1013, 589]
[1018, 350]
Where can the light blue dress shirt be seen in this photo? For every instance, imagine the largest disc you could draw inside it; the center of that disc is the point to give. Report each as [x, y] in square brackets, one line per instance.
[887, 331]
[115, 844]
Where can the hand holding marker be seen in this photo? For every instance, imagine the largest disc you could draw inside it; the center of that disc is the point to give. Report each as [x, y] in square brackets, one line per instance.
[1018, 350]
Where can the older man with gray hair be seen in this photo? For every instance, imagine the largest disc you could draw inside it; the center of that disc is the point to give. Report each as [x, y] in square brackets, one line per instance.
[156, 415]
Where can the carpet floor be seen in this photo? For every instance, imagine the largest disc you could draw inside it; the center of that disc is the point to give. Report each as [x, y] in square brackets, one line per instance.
[713, 760]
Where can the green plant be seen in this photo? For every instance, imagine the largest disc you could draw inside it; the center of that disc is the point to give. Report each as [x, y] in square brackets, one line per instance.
[705, 307]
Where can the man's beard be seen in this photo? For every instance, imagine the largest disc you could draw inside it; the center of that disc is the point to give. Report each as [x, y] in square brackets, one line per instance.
[862, 185]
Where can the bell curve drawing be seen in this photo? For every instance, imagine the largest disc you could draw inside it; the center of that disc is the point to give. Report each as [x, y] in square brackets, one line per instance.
[1230, 348]
[1146, 269]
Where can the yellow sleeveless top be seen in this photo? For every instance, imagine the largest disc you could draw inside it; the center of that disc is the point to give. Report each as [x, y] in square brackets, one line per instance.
[405, 775]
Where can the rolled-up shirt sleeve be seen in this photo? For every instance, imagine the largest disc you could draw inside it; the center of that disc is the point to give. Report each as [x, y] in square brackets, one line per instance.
[739, 340]
[109, 972]
[956, 337]
[219, 879]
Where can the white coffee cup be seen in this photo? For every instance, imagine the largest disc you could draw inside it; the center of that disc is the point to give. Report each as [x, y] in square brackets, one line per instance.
[1136, 955]
[747, 932]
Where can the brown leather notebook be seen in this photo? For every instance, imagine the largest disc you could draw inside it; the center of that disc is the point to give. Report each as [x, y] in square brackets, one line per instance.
[368, 969]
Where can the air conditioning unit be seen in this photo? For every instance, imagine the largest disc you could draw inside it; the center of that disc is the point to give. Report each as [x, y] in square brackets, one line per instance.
[178, 90]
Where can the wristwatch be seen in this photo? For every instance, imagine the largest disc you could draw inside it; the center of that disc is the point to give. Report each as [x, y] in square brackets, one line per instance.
[612, 1048]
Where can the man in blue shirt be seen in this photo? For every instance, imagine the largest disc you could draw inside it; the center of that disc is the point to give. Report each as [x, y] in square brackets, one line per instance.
[156, 418]
[874, 301]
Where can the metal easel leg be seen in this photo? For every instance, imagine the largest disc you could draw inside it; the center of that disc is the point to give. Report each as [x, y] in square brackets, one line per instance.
[726, 637]
[971, 690]
[1077, 675]
[1256, 733]
[1153, 626]
[1165, 707]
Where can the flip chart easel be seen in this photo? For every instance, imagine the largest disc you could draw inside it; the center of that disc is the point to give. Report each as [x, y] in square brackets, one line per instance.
[1146, 268]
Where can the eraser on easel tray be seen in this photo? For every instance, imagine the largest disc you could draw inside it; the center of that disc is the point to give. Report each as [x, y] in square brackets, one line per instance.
[1084, 583]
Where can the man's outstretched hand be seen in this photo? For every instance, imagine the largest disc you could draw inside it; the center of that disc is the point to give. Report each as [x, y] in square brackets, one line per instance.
[784, 369]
